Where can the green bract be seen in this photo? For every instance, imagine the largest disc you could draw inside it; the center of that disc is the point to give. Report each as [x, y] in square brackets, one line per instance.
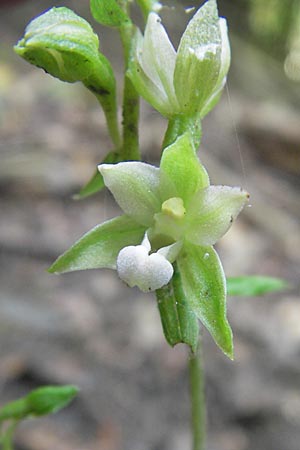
[171, 214]
[190, 81]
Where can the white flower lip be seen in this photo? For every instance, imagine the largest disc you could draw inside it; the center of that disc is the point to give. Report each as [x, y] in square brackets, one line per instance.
[137, 268]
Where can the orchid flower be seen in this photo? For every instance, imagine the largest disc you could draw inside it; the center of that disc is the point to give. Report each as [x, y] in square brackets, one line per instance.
[171, 214]
[190, 81]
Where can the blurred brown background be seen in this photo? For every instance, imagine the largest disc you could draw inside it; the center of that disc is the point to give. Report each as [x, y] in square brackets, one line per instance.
[87, 328]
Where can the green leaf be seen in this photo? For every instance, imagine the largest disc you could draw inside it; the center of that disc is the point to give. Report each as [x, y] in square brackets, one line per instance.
[204, 285]
[41, 401]
[50, 399]
[179, 322]
[99, 247]
[135, 187]
[109, 12]
[96, 183]
[181, 165]
[254, 285]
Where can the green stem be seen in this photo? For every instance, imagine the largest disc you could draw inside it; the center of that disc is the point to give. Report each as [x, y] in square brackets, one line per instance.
[179, 125]
[147, 6]
[102, 84]
[111, 120]
[197, 399]
[130, 148]
[7, 439]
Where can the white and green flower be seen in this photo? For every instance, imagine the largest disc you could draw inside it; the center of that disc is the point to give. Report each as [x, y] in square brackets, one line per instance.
[190, 81]
[171, 213]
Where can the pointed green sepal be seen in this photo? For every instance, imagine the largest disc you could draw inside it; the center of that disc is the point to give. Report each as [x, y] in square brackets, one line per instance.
[211, 212]
[180, 324]
[135, 187]
[204, 286]
[109, 12]
[99, 247]
[151, 67]
[203, 60]
[182, 167]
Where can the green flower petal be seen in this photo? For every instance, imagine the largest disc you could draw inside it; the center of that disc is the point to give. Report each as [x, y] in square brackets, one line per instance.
[99, 247]
[225, 64]
[204, 286]
[198, 59]
[182, 167]
[225, 51]
[211, 213]
[135, 186]
[158, 57]
[148, 87]
[213, 100]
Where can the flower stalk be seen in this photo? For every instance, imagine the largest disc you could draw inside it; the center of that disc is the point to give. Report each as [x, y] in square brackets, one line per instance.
[198, 410]
[130, 109]
[7, 440]
[181, 124]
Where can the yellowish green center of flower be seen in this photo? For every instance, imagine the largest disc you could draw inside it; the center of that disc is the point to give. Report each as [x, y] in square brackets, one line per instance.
[173, 207]
[169, 223]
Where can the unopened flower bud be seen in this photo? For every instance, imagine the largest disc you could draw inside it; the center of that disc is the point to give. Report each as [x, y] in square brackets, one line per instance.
[66, 47]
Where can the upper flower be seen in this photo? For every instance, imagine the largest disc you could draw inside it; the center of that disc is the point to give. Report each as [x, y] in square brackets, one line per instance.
[191, 80]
